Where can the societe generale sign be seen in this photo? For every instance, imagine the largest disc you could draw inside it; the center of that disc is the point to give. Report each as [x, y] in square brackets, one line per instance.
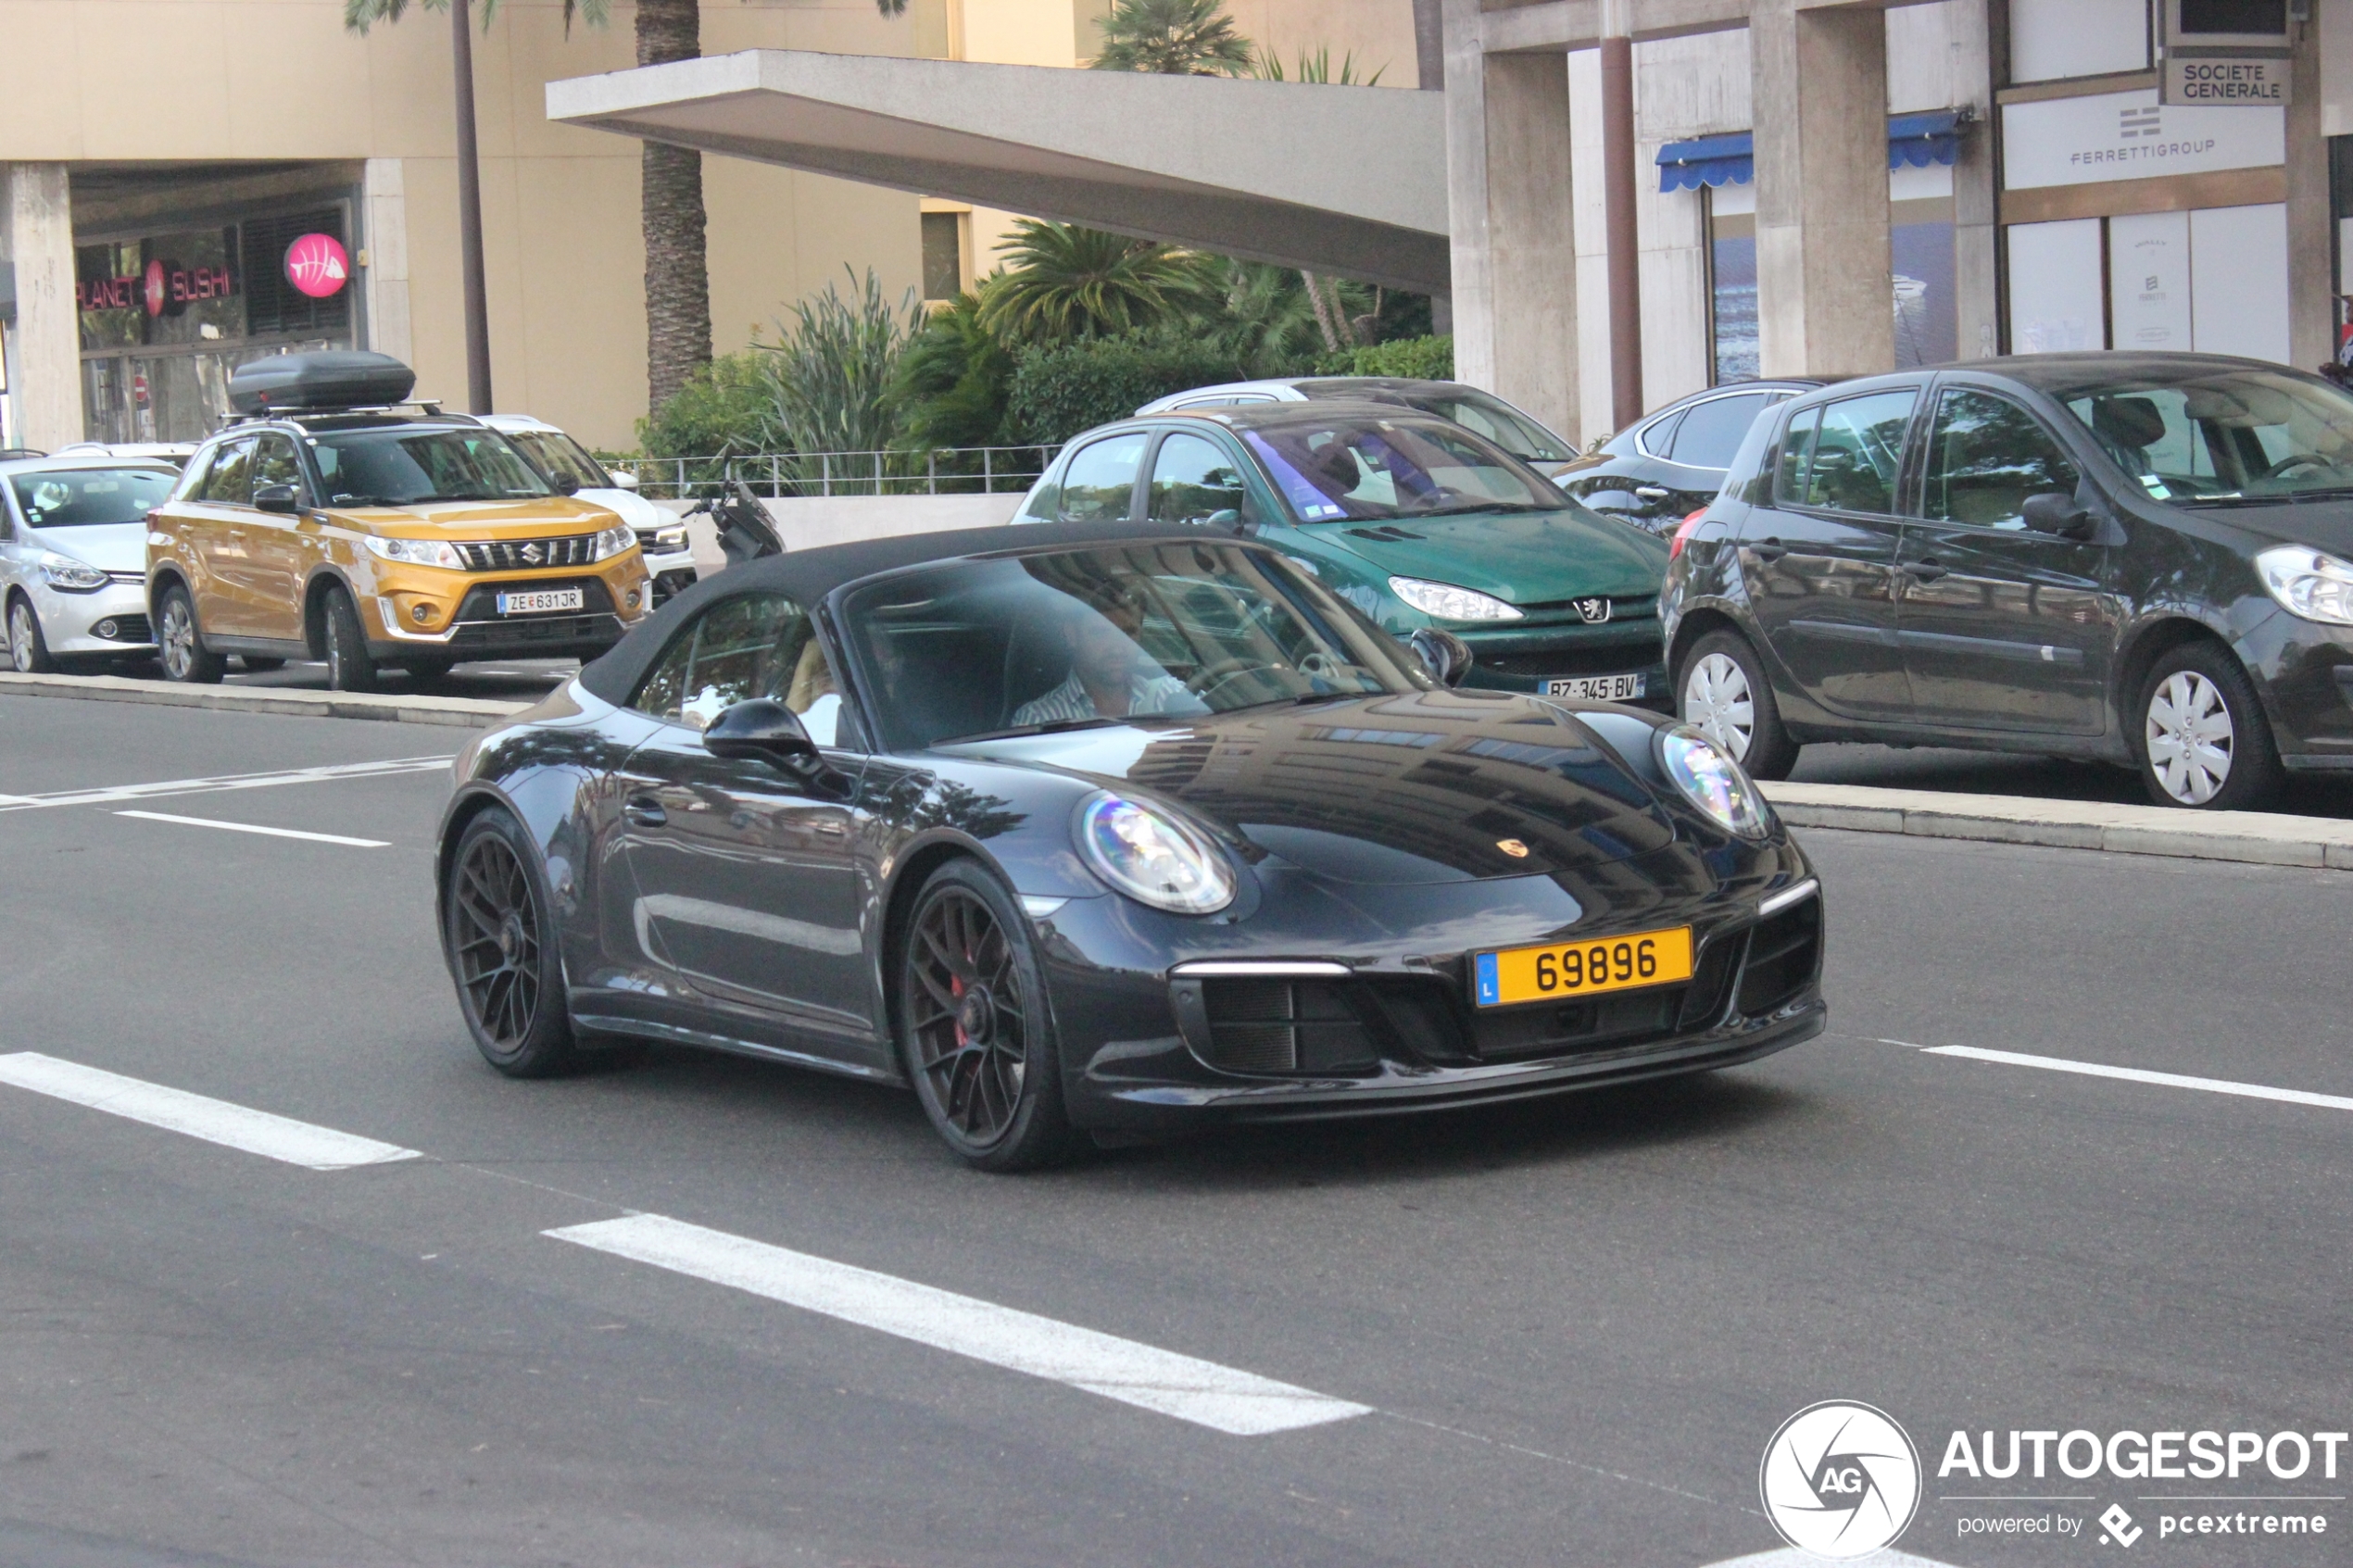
[2234, 79]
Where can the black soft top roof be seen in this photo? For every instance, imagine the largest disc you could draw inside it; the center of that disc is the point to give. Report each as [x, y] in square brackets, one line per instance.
[808, 576]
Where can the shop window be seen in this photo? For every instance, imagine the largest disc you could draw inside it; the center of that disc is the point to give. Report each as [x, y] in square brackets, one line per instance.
[943, 255]
[2053, 39]
[274, 305]
[1925, 302]
[1731, 267]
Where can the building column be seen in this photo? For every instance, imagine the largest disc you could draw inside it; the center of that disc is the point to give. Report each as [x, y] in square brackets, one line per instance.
[1819, 82]
[45, 373]
[1625, 254]
[384, 236]
[2311, 280]
[1977, 179]
[1515, 245]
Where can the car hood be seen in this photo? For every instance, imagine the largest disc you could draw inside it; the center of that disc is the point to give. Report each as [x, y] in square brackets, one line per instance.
[1520, 557]
[109, 546]
[629, 506]
[532, 517]
[2323, 524]
[1414, 788]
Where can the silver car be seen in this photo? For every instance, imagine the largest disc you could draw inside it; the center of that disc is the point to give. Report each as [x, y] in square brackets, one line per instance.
[557, 456]
[73, 548]
[1482, 412]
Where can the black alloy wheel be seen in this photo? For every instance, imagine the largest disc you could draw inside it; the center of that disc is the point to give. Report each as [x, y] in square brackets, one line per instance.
[974, 1027]
[351, 667]
[502, 950]
[181, 642]
[28, 649]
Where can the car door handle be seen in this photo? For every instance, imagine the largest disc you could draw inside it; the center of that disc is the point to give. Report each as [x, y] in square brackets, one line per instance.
[1651, 492]
[1924, 571]
[1769, 550]
[645, 812]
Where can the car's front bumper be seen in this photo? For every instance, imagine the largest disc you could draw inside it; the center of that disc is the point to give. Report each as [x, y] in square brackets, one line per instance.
[462, 621]
[111, 620]
[2304, 671]
[1517, 659]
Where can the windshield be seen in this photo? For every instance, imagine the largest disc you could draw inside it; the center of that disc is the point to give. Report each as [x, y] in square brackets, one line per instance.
[559, 457]
[1148, 633]
[405, 466]
[1369, 468]
[2224, 436]
[86, 497]
[1499, 421]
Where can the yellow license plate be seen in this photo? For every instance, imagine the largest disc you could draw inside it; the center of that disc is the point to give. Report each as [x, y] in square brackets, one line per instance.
[1581, 968]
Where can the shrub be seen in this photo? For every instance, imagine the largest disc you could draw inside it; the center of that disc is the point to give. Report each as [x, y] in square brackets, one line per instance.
[1421, 359]
[721, 412]
[1057, 392]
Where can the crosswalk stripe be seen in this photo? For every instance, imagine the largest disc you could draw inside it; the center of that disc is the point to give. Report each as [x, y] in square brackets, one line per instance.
[1144, 1375]
[257, 827]
[198, 1116]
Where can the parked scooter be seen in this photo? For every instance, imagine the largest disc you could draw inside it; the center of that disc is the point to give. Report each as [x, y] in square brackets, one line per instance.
[746, 532]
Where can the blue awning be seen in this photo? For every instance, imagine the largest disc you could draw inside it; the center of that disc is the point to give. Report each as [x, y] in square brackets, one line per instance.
[1915, 139]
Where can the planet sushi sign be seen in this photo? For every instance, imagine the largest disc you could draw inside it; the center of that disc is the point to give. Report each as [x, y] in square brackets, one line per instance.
[317, 266]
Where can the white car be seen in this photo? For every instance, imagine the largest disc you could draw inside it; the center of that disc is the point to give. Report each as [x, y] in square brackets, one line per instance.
[660, 536]
[73, 557]
[1515, 432]
[176, 453]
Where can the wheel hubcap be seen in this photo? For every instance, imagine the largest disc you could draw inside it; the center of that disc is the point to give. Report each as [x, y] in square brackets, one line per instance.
[493, 931]
[1717, 700]
[2190, 737]
[964, 1010]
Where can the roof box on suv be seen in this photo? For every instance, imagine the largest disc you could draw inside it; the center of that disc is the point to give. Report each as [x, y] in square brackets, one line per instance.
[284, 381]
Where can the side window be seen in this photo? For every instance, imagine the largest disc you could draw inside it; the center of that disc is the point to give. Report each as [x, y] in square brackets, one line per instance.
[274, 463]
[1194, 480]
[1859, 453]
[1099, 484]
[228, 484]
[1797, 448]
[192, 478]
[1711, 433]
[754, 645]
[1985, 456]
[1657, 438]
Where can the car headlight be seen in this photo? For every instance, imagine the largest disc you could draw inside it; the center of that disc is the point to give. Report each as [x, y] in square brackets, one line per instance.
[1713, 782]
[1154, 858]
[667, 539]
[417, 552]
[73, 576]
[613, 541]
[2316, 586]
[1447, 602]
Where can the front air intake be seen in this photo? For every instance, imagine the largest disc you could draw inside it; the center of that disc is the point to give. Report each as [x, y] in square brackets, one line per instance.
[1286, 1026]
[1784, 953]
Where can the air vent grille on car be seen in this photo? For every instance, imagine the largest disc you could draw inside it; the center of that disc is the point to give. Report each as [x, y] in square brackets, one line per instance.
[1286, 1026]
[1783, 953]
[526, 555]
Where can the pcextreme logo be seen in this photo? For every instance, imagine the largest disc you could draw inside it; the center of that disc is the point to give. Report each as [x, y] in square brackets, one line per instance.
[1840, 1480]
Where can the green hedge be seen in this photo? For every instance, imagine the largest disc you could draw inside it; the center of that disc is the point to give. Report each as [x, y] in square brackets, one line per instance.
[1059, 392]
[1421, 359]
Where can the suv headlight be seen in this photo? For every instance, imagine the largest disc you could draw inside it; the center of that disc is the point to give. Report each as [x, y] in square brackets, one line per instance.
[1449, 603]
[73, 576]
[1713, 782]
[2316, 586]
[1153, 858]
[417, 552]
[612, 542]
[664, 539]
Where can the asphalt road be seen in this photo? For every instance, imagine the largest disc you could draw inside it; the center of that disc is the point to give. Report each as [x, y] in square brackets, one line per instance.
[1576, 1325]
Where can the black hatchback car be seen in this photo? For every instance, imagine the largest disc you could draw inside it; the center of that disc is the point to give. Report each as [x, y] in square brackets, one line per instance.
[1658, 472]
[1072, 829]
[2145, 559]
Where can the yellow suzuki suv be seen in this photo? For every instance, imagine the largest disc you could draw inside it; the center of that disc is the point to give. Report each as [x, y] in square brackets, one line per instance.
[332, 521]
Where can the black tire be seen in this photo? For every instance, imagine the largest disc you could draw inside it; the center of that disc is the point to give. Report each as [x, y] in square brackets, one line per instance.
[2199, 732]
[180, 641]
[423, 670]
[974, 1027]
[498, 933]
[1722, 690]
[350, 667]
[259, 664]
[28, 649]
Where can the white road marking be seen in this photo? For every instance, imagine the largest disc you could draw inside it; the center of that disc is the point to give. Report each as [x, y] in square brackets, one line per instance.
[1790, 1557]
[113, 794]
[2139, 1076]
[251, 827]
[1203, 1392]
[215, 1120]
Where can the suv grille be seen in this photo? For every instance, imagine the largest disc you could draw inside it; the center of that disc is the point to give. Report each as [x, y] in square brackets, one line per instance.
[526, 555]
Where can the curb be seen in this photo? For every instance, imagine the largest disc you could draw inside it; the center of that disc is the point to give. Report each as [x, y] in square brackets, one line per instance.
[463, 711]
[2254, 837]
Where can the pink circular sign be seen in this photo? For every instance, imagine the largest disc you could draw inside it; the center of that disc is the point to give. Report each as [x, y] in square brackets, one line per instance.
[317, 266]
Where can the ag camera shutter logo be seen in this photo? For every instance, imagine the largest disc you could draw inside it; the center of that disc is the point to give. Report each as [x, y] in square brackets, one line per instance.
[1840, 1480]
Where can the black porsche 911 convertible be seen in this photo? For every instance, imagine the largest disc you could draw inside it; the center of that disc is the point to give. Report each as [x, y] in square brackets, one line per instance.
[1081, 832]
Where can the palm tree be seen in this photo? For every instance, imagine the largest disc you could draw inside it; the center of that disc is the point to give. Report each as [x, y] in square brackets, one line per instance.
[1063, 282]
[1173, 38]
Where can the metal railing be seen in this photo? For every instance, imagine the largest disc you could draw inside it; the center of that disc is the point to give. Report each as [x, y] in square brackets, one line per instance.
[955, 471]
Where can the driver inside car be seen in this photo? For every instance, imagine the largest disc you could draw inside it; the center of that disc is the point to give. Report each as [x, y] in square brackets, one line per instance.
[1110, 675]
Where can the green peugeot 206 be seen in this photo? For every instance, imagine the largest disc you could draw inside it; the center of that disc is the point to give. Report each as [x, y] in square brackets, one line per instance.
[1417, 521]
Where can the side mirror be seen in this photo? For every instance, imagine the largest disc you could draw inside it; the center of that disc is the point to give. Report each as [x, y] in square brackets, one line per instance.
[565, 485]
[622, 479]
[2055, 511]
[762, 730]
[1445, 656]
[282, 498]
